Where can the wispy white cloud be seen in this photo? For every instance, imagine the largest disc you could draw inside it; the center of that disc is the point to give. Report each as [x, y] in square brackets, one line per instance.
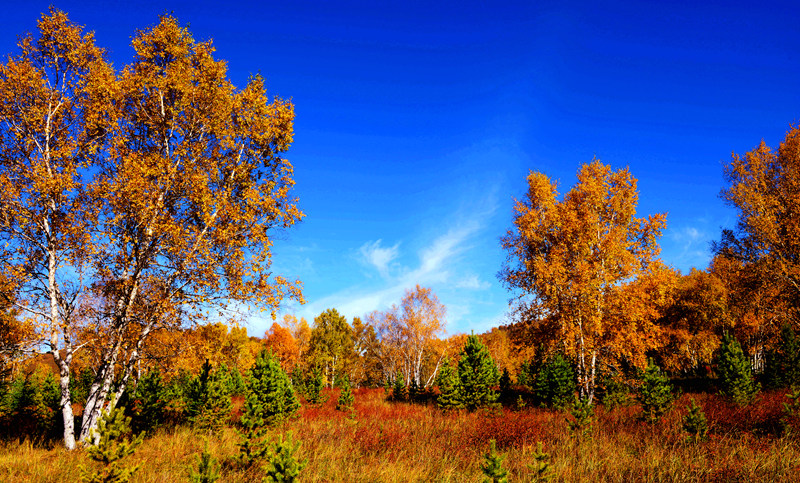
[379, 257]
[690, 247]
[472, 282]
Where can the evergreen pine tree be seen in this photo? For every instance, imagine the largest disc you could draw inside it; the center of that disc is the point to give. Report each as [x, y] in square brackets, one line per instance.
[283, 465]
[449, 388]
[345, 402]
[413, 390]
[208, 401]
[655, 394]
[253, 442]
[298, 381]
[554, 386]
[207, 468]
[111, 449]
[477, 375]
[492, 466]
[735, 375]
[695, 424]
[541, 468]
[273, 388]
[399, 391]
[505, 386]
[582, 412]
[196, 392]
[314, 387]
[783, 362]
[149, 401]
[791, 412]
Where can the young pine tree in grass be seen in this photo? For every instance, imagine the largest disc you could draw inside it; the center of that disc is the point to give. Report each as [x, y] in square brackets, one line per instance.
[345, 401]
[399, 390]
[492, 466]
[149, 403]
[477, 375]
[314, 387]
[111, 449]
[655, 394]
[541, 468]
[735, 374]
[449, 388]
[207, 468]
[209, 403]
[283, 465]
[270, 398]
[582, 421]
[695, 424]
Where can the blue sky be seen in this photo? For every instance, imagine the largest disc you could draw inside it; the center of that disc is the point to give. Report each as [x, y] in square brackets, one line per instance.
[417, 122]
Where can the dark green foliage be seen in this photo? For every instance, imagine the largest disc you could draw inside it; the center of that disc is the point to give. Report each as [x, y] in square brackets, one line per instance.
[477, 375]
[79, 384]
[582, 422]
[314, 387]
[298, 381]
[283, 465]
[505, 385]
[232, 379]
[208, 402]
[449, 388]
[655, 394]
[555, 384]
[413, 390]
[614, 392]
[695, 424]
[207, 468]
[270, 398]
[30, 406]
[735, 374]
[791, 412]
[345, 401]
[175, 393]
[399, 391]
[149, 403]
[112, 447]
[783, 362]
[541, 468]
[492, 466]
[525, 377]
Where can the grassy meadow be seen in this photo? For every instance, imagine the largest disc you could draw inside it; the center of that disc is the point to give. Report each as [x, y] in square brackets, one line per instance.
[381, 441]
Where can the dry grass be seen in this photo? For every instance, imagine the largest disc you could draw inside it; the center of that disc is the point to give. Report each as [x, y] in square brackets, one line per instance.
[390, 442]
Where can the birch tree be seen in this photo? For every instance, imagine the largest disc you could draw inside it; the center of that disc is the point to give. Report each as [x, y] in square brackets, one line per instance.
[572, 262]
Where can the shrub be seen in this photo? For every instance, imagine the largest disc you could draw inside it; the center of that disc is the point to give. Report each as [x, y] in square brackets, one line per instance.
[783, 362]
[655, 394]
[735, 375]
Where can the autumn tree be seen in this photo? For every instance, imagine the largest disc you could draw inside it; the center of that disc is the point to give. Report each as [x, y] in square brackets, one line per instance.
[331, 343]
[52, 96]
[280, 341]
[152, 192]
[407, 334]
[763, 186]
[573, 263]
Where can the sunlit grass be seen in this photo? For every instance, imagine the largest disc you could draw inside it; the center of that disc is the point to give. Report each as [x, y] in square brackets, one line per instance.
[396, 442]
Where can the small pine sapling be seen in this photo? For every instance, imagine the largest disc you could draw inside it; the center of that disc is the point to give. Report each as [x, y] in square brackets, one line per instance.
[541, 468]
[207, 467]
[399, 392]
[346, 399]
[149, 403]
[554, 386]
[478, 375]
[112, 447]
[283, 466]
[695, 424]
[735, 374]
[505, 386]
[582, 412]
[791, 412]
[655, 394]
[492, 466]
[521, 404]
